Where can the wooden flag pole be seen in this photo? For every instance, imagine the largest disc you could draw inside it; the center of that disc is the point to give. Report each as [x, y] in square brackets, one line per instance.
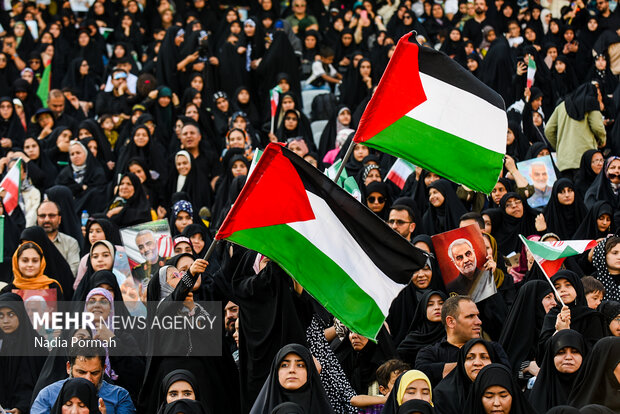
[211, 249]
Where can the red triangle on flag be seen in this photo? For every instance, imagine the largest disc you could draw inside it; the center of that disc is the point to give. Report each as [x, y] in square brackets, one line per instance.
[274, 194]
[399, 91]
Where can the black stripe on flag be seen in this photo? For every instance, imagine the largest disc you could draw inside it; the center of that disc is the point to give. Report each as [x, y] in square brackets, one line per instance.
[439, 65]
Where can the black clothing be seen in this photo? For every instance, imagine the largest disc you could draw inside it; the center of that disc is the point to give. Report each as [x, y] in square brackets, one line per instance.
[431, 359]
[311, 396]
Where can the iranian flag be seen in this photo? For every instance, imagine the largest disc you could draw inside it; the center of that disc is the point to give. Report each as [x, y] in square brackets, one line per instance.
[531, 71]
[274, 98]
[336, 248]
[432, 112]
[399, 172]
[11, 184]
[551, 255]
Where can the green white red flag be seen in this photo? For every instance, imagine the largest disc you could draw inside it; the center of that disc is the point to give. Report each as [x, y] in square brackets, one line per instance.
[551, 255]
[531, 71]
[432, 112]
[345, 256]
[399, 172]
[11, 184]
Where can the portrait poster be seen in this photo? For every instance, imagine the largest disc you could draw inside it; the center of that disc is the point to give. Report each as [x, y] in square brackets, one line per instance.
[39, 301]
[540, 173]
[461, 254]
[147, 246]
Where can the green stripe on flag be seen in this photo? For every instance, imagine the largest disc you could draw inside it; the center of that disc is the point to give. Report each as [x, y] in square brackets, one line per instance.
[317, 273]
[465, 162]
[549, 253]
[44, 85]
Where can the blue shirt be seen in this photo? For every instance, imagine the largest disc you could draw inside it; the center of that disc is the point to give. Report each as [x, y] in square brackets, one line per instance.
[116, 399]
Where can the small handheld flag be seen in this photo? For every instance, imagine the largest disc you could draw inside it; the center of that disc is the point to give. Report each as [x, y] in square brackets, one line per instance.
[11, 184]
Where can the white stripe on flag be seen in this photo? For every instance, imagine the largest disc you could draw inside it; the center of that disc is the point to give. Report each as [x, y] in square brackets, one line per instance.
[461, 113]
[330, 236]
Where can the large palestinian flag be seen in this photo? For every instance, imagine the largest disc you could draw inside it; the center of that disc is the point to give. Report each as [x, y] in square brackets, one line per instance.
[432, 112]
[332, 245]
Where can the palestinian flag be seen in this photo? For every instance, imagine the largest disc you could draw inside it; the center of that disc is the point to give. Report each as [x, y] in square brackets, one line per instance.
[551, 255]
[11, 183]
[336, 248]
[399, 172]
[432, 112]
[531, 71]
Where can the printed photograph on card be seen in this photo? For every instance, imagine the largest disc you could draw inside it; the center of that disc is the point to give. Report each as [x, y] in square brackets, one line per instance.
[461, 254]
[540, 173]
[39, 302]
[147, 246]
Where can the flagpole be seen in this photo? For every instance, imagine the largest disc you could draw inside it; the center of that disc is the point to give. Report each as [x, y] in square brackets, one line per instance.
[550, 282]
[210, 250]
[344, 160]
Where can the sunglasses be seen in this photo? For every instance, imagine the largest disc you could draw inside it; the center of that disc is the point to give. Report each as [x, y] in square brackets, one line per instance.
[613, 176]
[373, 199]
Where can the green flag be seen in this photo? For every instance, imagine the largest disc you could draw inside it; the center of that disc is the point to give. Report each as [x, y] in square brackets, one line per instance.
[44, 86]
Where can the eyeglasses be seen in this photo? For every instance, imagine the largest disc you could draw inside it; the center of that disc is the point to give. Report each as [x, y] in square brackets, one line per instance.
[601, 161]
[373, 199]
[398, 222]
[514, 203]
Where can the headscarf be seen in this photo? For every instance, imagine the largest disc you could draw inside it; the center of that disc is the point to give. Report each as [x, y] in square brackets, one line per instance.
[519, 337]
[588, 229]
[451, 393]
[496, 374]
[79, 171]
[447, 216]
[498, 274]
[20, 359]
[585, 176]
[170, 379]
[381, 188]
[55, 263]
[395, 399]
[596, 382]
[181, 178]
[70, 223]
[310, 396]
[599, 261]
[422, 332]
[136, 209]
[580, 101]
[109, 322]
[610, 310]
[40, 281]
[112, 234]
[193, 229]
[586, 321]
[178, 207]
[602, 188]
[80, 388]
[185, 406]
[416, 406]
[552, 387]
[507, 232]
[564, 219]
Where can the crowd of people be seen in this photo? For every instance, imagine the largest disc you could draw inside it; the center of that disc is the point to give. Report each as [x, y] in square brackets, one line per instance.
[131, 111]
